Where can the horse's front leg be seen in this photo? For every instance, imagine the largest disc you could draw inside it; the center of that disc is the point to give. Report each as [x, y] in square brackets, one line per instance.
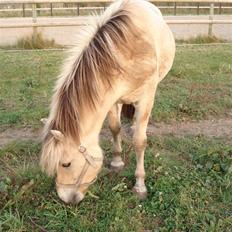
[143, 111]
[115, 126]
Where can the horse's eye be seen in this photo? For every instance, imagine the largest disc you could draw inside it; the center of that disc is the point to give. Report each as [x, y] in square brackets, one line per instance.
[66, 165]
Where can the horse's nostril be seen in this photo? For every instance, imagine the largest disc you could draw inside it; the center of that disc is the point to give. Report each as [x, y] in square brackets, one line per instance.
[66, 165]
[78, 198]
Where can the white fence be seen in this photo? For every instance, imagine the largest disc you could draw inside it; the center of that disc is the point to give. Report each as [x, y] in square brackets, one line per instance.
[77, 5]
[36, 24]
[25, 9]
[34, 9]
[106, 1]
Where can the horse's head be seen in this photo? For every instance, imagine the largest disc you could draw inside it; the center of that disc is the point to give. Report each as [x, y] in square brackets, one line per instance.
[75, 168]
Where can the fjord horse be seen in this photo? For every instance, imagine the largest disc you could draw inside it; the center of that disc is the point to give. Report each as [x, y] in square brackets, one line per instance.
[120, 58]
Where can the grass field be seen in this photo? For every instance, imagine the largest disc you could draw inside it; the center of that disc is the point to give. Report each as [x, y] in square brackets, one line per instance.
[189, 179]
[189, 185]
[199, 85]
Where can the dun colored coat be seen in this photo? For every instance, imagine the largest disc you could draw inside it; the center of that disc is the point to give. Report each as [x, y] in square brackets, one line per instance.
[120, 58]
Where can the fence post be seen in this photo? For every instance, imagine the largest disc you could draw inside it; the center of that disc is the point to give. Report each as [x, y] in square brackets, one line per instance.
[174, 8]
[211, 14]
[220, 8]
[51, 9]
[198, 8]
[34, 13]
[78, 9]
[34, 20]
[23, 10]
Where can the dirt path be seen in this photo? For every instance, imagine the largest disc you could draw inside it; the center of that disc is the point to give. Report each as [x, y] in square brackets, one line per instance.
[210, 128]
[221, 128]
[11, 135]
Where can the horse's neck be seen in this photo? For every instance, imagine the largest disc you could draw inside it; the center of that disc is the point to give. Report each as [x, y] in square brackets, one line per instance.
[91, 122]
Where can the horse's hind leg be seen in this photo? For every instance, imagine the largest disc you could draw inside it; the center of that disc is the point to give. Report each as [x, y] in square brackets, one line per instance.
[142, 114]
[115, 126]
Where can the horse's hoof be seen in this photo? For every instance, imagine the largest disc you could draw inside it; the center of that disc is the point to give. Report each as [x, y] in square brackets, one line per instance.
[117, 166]
[141, 193]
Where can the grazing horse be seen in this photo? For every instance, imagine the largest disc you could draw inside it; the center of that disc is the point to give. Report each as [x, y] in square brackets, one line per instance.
[120, 58]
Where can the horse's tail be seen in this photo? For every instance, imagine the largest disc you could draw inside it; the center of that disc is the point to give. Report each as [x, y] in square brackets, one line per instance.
[128, 111]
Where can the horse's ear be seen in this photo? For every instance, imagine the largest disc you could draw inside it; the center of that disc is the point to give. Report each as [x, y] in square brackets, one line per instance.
[57, 135]
[44, 120]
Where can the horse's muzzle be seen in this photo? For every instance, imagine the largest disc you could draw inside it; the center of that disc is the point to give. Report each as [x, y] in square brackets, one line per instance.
[70, 195]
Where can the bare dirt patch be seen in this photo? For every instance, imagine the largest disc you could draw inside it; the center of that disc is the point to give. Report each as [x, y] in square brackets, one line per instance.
[221, 128]
[22, 134]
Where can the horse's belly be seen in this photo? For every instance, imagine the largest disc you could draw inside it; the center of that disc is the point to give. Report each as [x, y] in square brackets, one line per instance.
[131, 97]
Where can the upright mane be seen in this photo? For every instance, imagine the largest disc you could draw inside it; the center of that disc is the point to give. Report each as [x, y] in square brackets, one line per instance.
[91, 65]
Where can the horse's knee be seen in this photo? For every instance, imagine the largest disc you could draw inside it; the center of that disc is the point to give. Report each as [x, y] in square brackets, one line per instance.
[115, 129]
[140, 143]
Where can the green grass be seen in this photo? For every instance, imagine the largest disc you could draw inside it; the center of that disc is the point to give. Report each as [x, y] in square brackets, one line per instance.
[189, 185]
[26, 82]
[189, 179]
[201, 39]
[199, 85]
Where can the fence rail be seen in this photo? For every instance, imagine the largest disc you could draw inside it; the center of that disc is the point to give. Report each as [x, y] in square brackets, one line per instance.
[106, 1]
[71, 24]
[218, 5]
[210, 21]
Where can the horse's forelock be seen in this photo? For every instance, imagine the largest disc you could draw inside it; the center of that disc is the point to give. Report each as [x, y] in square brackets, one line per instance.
[51, 155]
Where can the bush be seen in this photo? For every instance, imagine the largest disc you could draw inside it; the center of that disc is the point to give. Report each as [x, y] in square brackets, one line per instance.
[201, 39]
[35, 41]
